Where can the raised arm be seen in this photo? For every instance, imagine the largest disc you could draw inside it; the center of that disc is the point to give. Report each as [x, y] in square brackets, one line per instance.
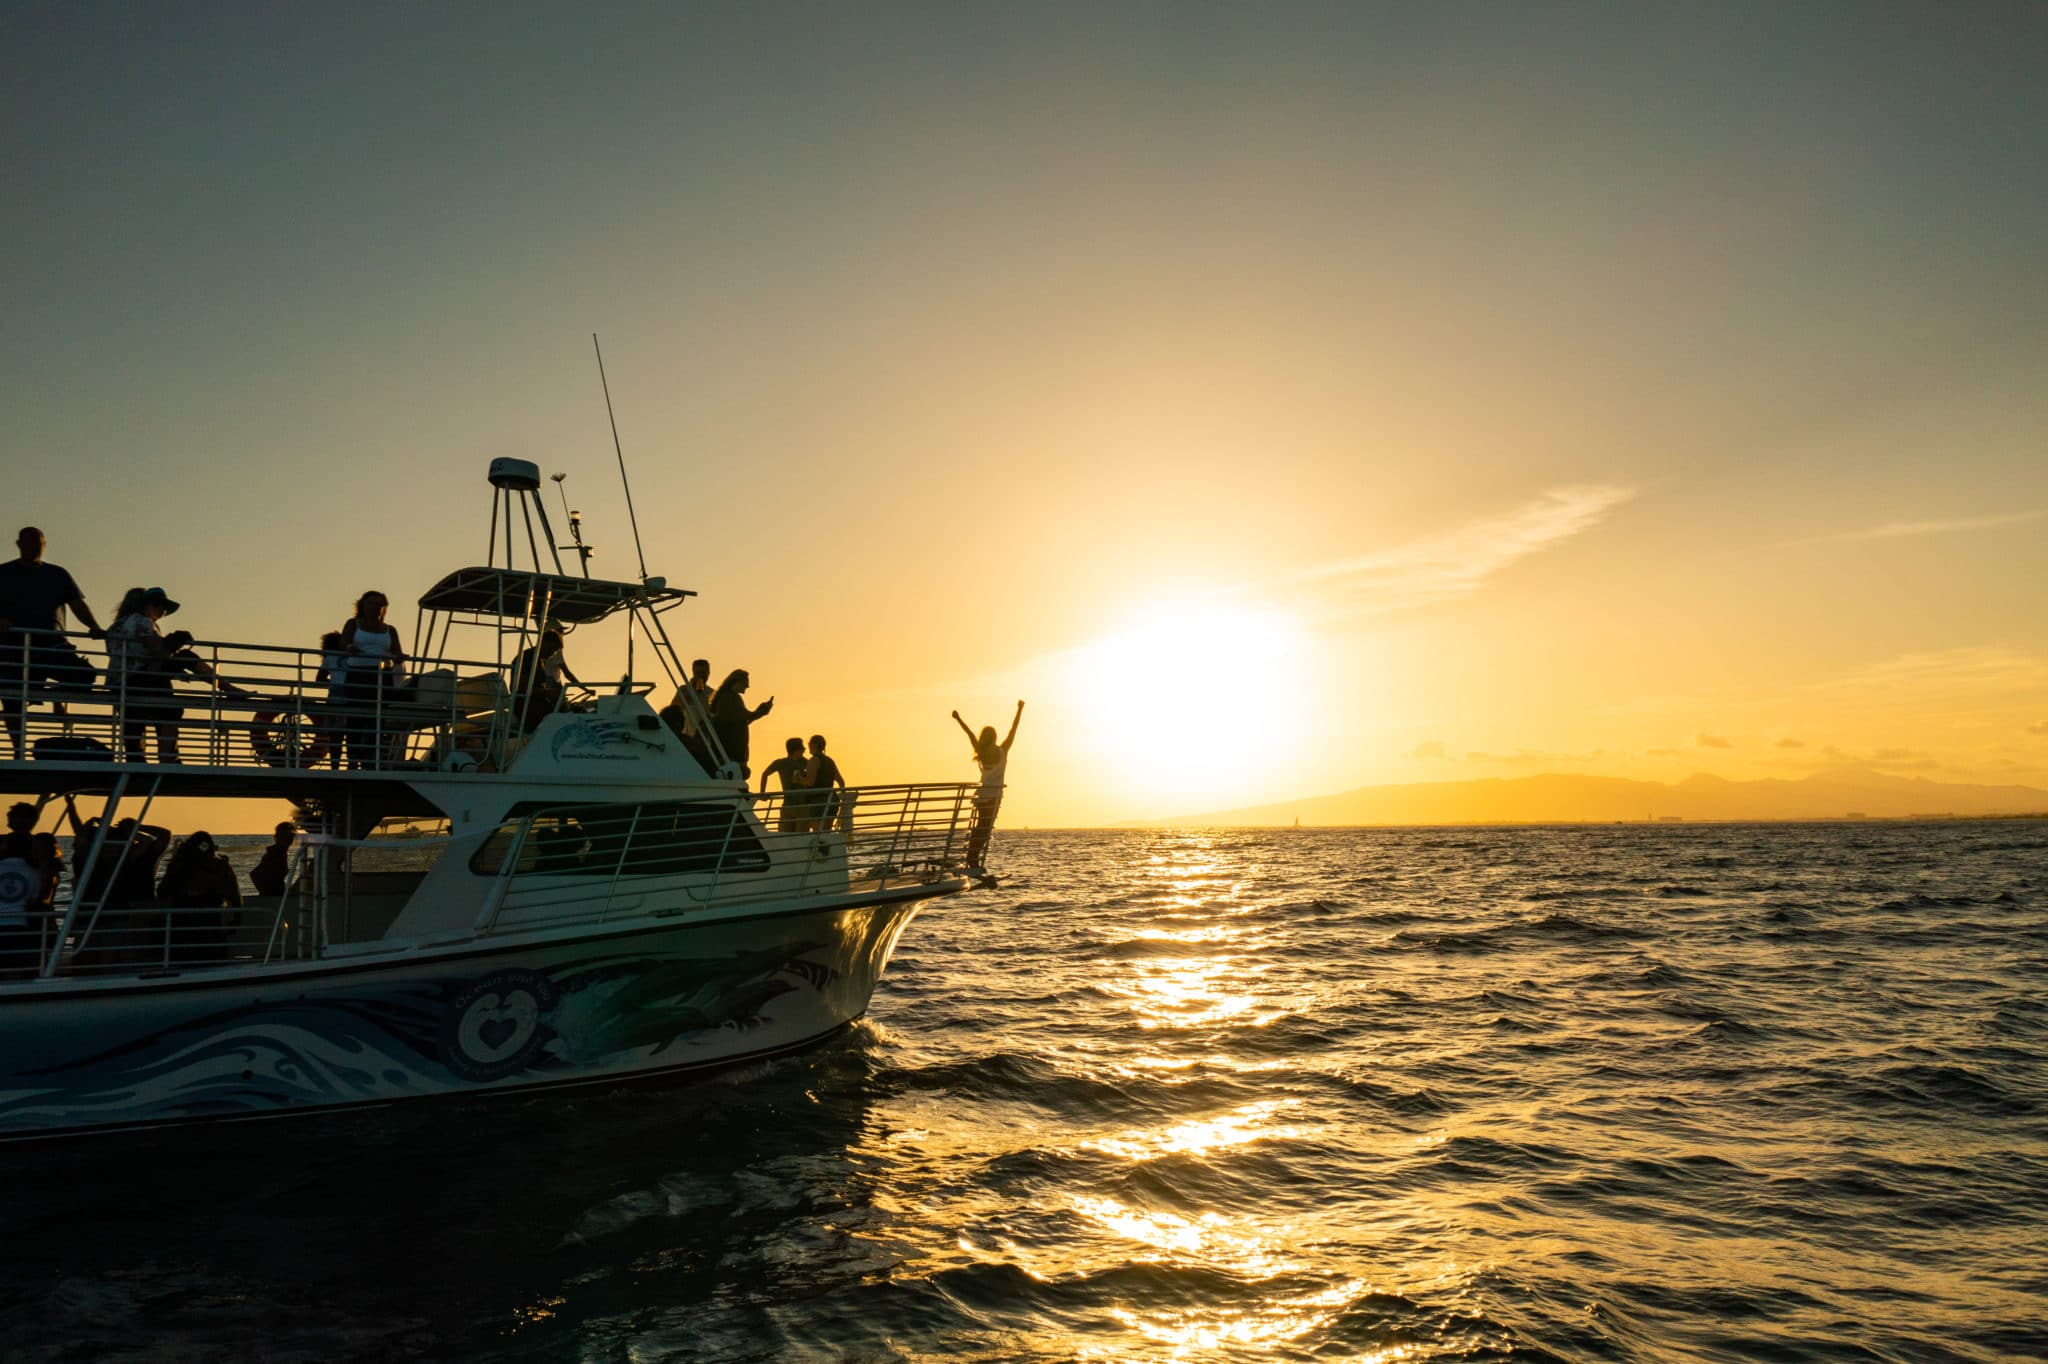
[1014, 721]
[963, 726]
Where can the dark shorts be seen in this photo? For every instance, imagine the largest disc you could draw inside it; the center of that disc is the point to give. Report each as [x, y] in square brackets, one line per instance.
[43, 660]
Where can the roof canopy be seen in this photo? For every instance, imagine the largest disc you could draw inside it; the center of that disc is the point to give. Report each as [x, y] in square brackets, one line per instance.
[519, 594]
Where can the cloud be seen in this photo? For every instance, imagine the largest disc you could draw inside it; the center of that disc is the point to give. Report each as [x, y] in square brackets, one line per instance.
[1789, 743]
[1455, 563]
[1714, 741]
[1896, 755]
[1534, 757]
[1948, 671]
[1430, 748]
[2041, 728]
[1893, 530]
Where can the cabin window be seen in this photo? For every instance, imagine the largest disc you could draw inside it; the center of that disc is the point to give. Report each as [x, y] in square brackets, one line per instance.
[666, 839]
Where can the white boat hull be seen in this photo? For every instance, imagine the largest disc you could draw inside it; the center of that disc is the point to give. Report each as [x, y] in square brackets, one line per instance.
[647, 1000]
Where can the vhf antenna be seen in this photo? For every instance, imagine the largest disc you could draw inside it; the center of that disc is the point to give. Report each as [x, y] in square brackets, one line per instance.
[620, 451]
[583, 551]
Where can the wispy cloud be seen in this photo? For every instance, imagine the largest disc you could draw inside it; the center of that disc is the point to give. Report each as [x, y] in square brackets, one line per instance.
[1455, 563]
[1535, 757]
[1975, 670]
[1788, 743]
[1435, 568]
[1893, 530]
[2041, 728]
[1428, 748]
[1713, 741]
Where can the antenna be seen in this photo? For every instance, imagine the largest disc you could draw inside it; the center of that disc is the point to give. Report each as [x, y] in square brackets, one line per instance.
[620, 451]
[583, 551]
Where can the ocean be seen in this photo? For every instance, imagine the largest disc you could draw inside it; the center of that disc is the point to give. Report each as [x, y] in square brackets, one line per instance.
[1664, 1093]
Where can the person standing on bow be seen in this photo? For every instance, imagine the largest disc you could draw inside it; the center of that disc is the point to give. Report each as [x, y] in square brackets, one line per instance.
[730, 717]
[376, 665]
[994, 759]
[34, 596]
[794, 770]
[824, 807]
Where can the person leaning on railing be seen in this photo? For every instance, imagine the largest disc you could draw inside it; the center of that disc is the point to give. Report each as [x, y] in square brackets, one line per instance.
[34, 596]
[141, 660]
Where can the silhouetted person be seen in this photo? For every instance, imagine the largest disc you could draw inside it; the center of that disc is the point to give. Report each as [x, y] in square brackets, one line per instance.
[121, 883]
[730, 717]
[794, 771]
[273, 870]
[822, 775]
[198, 879]
[141, 661]
[993, 758]
[34, 596]
[542, 675]
[376, 665]
[29, 868]
[681, 716]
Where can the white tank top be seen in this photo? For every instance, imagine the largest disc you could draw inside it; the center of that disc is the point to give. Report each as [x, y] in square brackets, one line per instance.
[992, 777]
[373, 648]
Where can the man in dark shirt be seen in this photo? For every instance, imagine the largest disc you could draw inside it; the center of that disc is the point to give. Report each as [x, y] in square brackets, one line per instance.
[34, 596]
[794, 771]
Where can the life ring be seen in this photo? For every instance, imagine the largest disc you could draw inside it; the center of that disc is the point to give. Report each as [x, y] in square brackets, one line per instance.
[286, 739]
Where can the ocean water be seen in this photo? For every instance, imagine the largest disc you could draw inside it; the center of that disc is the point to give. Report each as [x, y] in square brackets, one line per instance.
[1645, 1093]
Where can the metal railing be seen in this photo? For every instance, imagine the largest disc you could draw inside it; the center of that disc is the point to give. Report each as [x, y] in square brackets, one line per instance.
[589, 863]
[248, 706]
[558, 866]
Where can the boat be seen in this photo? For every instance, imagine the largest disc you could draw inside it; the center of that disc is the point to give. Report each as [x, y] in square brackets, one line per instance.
[491, 896]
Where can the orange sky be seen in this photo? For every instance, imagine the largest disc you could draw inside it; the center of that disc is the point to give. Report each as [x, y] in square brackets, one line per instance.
[1280, 402]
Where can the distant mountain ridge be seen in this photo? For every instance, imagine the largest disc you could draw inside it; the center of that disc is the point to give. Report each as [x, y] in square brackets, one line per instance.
[1564, 798]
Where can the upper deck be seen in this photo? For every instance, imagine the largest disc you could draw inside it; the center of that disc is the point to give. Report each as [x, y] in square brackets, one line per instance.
[249, 719]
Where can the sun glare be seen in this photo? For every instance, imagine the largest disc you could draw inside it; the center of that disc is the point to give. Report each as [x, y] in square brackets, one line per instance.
[1193, 705]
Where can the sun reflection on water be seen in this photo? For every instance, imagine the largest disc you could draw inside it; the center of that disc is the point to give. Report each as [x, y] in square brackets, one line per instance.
[1239, 1127]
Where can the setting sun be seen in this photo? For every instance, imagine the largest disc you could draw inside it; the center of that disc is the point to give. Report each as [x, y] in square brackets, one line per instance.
[1193, 701]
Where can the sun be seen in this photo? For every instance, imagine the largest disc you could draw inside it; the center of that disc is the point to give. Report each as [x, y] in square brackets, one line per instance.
[1193, 703]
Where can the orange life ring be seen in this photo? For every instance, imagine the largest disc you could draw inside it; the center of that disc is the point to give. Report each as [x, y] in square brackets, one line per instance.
[286, 739]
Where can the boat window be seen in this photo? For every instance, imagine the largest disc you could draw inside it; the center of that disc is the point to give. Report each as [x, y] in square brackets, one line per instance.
[668, 838]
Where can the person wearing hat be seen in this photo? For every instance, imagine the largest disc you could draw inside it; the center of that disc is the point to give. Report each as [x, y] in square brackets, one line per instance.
[141, 661]
[34, 597]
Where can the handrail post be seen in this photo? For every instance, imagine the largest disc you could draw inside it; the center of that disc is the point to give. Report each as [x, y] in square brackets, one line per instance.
[92, 859]
[740, 806]
[494, 899]
[619, 867]
[291, 883]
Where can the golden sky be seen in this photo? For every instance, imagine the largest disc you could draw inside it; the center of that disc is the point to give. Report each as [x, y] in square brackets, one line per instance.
[1280, 400]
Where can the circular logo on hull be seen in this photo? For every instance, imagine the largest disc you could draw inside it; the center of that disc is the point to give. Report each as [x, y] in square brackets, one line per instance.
[496, 1025]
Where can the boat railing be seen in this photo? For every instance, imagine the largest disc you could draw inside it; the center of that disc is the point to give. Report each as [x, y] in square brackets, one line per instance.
[588, 863]
[251, 706]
